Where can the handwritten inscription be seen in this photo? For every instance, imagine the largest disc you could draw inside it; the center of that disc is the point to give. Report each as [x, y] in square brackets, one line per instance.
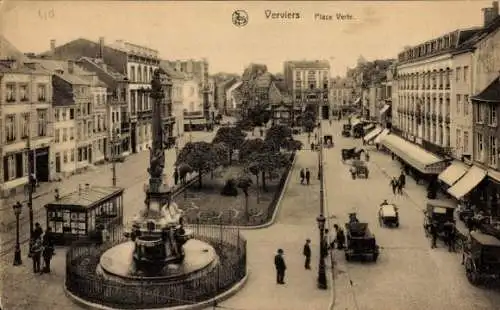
[46, 14]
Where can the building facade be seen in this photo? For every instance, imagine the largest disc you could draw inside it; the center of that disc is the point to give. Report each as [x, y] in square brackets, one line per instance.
[308, 82]
[26, 124]
[426, 84]
[341, 92]
[137, 63]
[116, 124]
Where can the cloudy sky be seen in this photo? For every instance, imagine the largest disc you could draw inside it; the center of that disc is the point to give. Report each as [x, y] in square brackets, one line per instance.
[180, 30]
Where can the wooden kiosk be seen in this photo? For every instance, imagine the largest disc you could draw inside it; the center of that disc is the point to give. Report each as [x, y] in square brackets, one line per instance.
[80, 214]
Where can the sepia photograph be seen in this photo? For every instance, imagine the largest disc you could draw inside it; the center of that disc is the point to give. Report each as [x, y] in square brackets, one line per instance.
[249, 155]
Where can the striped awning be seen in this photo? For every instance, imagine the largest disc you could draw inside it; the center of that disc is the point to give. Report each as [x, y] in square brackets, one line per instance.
[384, 133]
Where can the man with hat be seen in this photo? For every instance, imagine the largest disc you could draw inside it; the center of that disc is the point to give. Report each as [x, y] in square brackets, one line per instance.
[280, 265]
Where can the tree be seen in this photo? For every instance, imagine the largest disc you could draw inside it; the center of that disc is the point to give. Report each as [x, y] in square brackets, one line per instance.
[259, 115]
[277, 136]
[250, 146]
[309, 123]
[232, 137]
[265, 163]
[293, 145]
[222, 151]
[244, 182]
[200, 156]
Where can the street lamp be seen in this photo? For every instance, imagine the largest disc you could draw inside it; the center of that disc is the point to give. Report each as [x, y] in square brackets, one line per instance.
[17, 254]
[321, 220]
[322, 249]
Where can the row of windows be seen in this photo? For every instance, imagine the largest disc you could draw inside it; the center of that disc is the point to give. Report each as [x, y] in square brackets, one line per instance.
[428, 48]
[486, 114]
[18, 126]
[434, 133]
[15, 166]
[141, 74]
[21, 92]
[487, 149]
[433, 79]
[139, 101]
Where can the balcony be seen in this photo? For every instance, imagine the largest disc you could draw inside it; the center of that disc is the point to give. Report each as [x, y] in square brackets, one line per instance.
[433, 117]
[447, 119]
[427, 115]
[440, 118]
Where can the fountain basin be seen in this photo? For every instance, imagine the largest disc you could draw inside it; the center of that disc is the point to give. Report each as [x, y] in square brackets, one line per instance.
[118, 263]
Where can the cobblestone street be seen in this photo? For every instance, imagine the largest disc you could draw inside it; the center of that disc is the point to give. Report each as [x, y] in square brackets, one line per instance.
[408, 274]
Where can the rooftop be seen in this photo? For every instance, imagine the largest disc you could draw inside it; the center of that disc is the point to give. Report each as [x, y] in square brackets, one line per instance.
[61, 68]
[490, 93]
[86, 197]
[310, 64]
[100, 64]
[170, 70]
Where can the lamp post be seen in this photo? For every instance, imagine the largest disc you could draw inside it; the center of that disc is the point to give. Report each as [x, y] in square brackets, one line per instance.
[321, 220]
[114, 142]
[17, 254]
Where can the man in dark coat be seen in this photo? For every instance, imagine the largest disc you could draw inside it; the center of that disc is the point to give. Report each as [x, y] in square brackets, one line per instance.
[302, 176]
[48, 250]
[38, 231]
[308, 176]
[280, 265]
[401, 182]
[307, 253]
[434, 234]
[394, 185]
[176, 176]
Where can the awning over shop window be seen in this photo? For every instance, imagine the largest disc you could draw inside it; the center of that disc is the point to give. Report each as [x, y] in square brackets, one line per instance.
[453, 173]
[414, 155]
[372, 134]
[384, 133]
[368, 127]
[470, 180]
[385, 109]
[494, 175]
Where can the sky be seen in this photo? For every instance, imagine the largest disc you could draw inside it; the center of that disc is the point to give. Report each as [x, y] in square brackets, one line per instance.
[193, 30]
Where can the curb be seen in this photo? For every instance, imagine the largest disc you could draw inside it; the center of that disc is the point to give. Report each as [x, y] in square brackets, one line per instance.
[278, 204]
[199, 306]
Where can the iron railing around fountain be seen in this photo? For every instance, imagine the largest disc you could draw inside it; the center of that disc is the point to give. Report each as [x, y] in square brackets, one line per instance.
[83, 256]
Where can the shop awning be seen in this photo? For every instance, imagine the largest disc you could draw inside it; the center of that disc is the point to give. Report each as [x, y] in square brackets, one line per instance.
[414, 155]
[385, 109]
[470, 180]
[494, 175]
[384, 133]
[453, 173]
[368, 127]
[372, 134]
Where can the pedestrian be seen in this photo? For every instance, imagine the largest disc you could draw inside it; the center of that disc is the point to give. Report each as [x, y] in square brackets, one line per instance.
[176, 176]
[37, 232]
[452, 238]
[312, 146]
[352, 170]
[33, 182]
[340, 238]
[307, 253]
[402, 181]
[279, 263]
[302, 176]
[48, 250]
[308, 176]
[434, 235]
[36, 253]
[394, 184]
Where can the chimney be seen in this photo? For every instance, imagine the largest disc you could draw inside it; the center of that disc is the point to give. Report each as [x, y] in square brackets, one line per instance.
[53, 46]
[71, 66]
[490, 13]
[101, 47]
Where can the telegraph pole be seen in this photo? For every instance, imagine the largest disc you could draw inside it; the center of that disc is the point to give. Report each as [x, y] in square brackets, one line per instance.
[322, 282]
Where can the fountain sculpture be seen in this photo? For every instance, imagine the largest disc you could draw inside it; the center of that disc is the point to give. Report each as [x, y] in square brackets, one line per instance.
[161, 248]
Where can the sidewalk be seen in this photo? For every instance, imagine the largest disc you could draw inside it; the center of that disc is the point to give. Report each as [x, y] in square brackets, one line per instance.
[295, 223]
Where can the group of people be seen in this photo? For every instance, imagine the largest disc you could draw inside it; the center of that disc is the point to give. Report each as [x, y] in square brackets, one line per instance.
[450, 234]
[305, 175]
[398, 184]
[41, 246]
